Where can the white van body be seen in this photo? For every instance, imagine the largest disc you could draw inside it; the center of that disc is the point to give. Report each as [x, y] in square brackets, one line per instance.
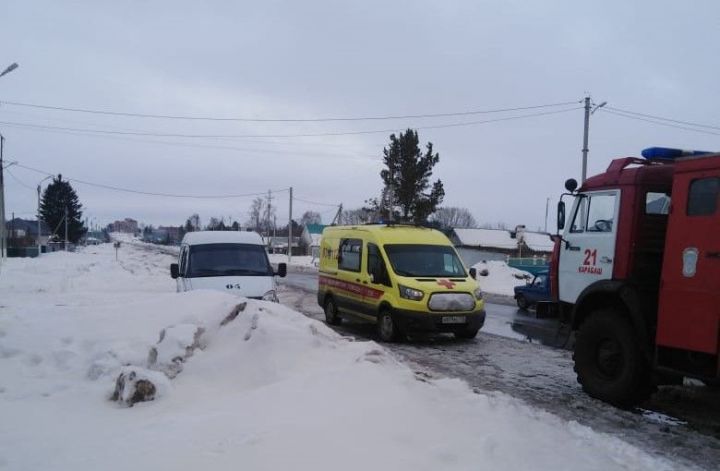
[227, 261]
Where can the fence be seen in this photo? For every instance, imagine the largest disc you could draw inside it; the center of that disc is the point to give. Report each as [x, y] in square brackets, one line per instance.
[533, 264]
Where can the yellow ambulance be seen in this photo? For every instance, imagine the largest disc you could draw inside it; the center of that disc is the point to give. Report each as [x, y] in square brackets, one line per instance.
[403, 278]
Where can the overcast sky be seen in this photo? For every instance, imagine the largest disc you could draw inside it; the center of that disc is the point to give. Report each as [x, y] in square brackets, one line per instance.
[318, 59]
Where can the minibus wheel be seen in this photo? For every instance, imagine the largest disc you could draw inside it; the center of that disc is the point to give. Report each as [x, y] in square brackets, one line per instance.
[331, 312]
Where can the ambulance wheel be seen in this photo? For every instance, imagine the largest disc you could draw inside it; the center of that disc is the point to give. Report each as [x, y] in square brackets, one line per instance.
[331, 312]
[387, 327]
[522, 302]
[609, 362]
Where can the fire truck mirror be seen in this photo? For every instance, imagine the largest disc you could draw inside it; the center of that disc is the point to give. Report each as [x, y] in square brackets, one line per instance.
[561, 215]
[571, 185]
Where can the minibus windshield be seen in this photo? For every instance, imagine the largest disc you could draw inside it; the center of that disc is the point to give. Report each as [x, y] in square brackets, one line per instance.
[228, 260]
[433, 261]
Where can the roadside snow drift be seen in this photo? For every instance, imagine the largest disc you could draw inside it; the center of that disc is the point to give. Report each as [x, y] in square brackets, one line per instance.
[269, 390]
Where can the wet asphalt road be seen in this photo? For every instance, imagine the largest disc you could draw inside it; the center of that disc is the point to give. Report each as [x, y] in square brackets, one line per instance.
[516, 354]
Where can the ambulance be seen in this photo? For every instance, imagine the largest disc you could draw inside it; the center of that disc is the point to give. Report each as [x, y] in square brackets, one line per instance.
[404, 279]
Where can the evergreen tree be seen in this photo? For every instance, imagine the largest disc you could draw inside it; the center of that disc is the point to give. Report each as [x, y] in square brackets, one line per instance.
[58, 196]
[407, 179]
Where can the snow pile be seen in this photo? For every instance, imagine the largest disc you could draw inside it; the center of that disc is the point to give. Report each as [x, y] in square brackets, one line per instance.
[270, 389]
[500, 278]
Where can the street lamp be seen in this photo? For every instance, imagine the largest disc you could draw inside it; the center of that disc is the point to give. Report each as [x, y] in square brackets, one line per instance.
[39, 242]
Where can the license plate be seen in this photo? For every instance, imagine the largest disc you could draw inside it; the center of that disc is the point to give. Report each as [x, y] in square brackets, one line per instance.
[453, 320]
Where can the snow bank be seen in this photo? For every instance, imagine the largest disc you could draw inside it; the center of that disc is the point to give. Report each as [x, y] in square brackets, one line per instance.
[500, 278]
[272, 389]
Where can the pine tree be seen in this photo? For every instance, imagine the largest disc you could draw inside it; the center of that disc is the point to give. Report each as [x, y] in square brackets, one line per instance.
[58, 197]
[406, 179]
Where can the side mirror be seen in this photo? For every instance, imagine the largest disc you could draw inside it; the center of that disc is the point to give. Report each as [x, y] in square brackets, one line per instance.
[174, 270]
[282, 270]
[473, 273]
[561, 215]
[571, 185]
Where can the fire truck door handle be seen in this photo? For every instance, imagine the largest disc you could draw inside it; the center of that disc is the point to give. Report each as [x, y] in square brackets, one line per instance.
[606, 259]
[713, 255]
[574, 248]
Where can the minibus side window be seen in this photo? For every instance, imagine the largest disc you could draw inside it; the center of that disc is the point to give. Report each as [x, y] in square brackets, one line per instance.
[183, 260]
[376, 266]
[350, 254]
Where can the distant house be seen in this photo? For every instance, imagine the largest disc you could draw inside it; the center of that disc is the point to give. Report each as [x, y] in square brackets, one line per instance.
[280, 244]
[127, 225]
[22, 236]
[311, 239]
[475, 245]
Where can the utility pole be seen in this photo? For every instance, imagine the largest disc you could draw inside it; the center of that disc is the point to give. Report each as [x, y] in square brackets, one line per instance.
[39, 242]
[585, 138]
[337, 215]
[66, 228]
[290, 225]
[588, 112]
[3, 236]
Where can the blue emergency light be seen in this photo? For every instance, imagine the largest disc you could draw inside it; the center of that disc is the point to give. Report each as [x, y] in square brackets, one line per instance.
[666, 153]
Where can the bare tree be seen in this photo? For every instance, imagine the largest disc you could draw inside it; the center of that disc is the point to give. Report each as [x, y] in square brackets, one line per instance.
[451, 216]
[257, 208]
[356, 216]
[310, 217]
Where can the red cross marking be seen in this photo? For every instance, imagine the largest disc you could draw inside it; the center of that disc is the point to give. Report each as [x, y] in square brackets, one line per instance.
[446, 283]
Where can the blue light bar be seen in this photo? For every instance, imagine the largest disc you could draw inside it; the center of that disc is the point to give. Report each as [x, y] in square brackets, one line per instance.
[666, 153]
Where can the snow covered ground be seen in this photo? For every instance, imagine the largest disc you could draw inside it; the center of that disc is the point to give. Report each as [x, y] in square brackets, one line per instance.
[272, 389]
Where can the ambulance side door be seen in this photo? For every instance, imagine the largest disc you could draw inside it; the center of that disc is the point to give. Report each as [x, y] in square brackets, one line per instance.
[377, 278]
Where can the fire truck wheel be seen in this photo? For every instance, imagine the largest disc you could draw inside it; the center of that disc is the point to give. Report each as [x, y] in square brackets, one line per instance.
[331, 314]
[608, 361]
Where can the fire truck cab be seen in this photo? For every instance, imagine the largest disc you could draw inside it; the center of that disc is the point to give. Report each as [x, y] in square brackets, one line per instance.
[636, 272]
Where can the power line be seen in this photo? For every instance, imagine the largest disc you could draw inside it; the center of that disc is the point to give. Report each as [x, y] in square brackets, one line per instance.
[659, 123]
[314, 202]
[18, 180]
[689, 123]
[282, 120]
[218, 146]
[148, 193]
[243, 136]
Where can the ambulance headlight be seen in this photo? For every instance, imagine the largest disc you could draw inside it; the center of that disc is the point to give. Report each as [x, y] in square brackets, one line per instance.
[478, 293]
[410, 293]
[270, 296]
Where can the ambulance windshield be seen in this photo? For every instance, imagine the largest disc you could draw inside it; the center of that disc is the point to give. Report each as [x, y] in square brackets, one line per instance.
[433, 261]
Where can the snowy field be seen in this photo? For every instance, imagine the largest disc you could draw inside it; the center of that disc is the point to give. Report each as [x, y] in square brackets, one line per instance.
[272, 389]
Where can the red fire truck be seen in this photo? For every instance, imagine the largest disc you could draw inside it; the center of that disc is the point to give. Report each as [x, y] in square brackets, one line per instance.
[636, 272]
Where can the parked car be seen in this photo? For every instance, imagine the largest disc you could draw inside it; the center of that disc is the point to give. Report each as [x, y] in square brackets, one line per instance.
[404, 279]
[226, 261]
[537, 290]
